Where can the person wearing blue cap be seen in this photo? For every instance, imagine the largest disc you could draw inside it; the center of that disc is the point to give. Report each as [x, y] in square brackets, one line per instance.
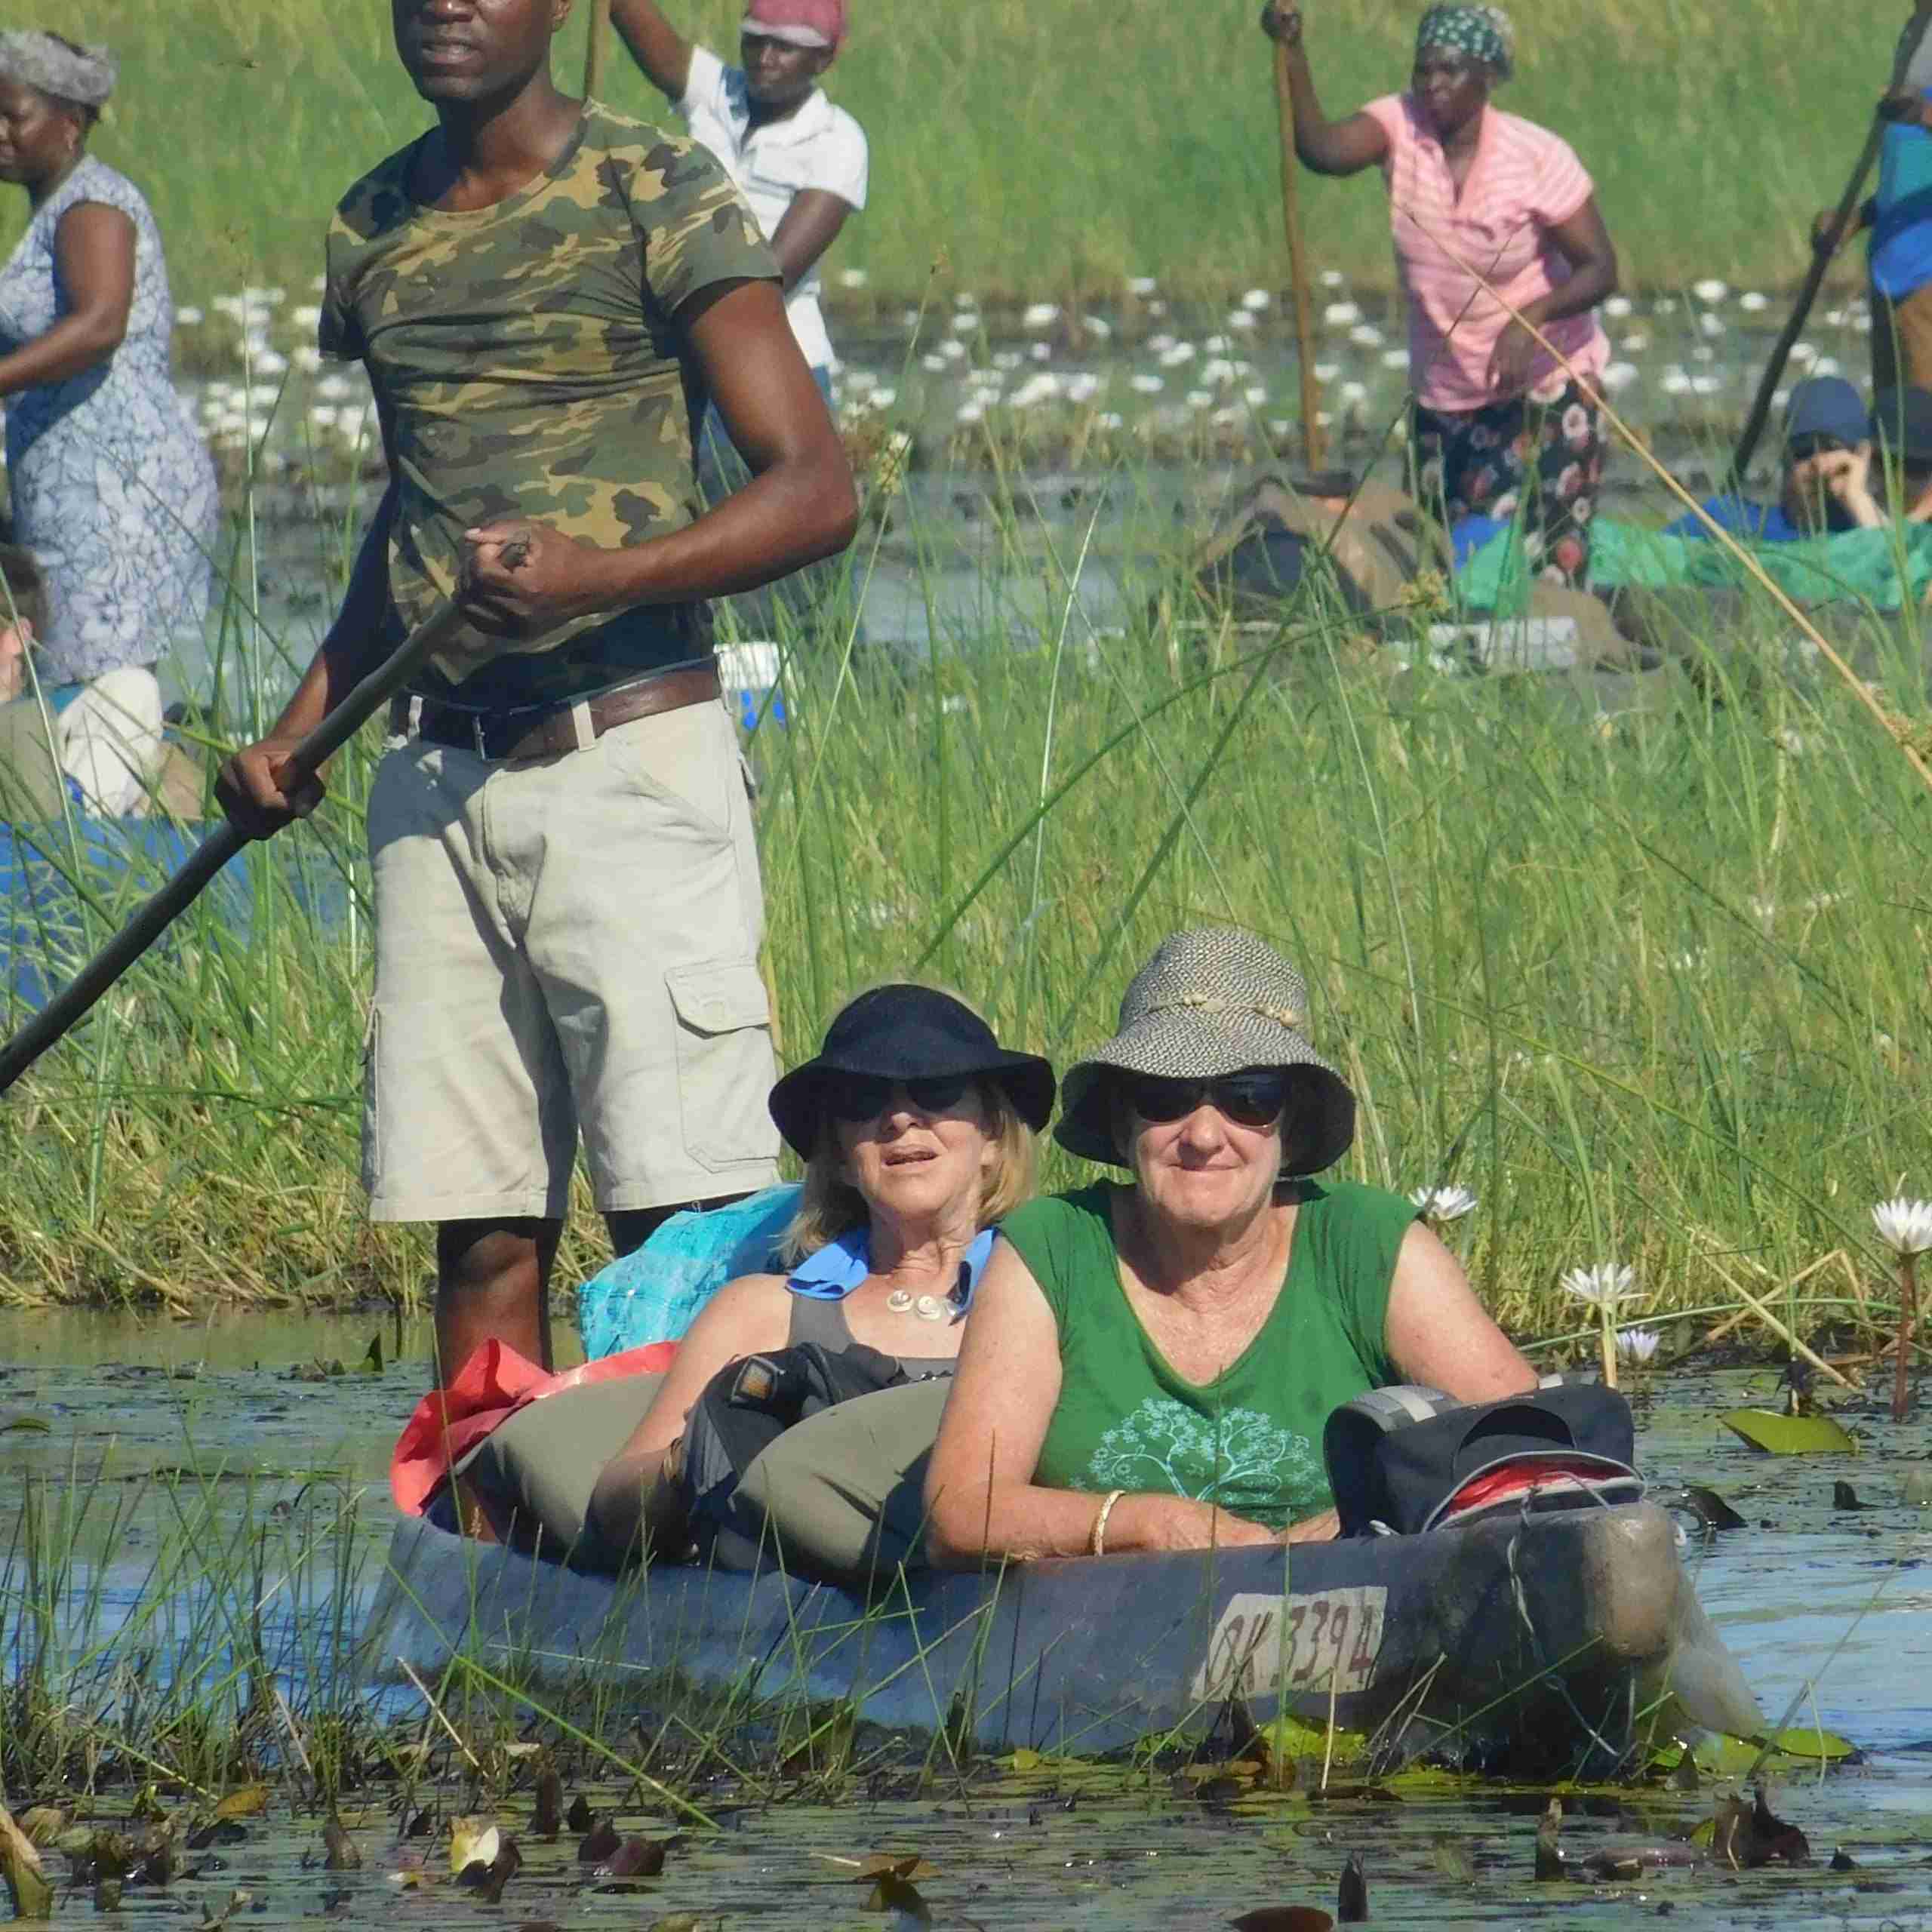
[1827, 449]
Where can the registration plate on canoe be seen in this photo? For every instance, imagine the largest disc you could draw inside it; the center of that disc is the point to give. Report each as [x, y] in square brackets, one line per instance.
[1316, 1640]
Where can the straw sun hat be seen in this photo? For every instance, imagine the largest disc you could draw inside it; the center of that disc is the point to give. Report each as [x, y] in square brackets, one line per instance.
[1213, 1001]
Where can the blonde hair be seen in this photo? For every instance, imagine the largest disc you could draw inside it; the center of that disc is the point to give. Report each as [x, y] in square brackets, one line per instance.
[830, 1204]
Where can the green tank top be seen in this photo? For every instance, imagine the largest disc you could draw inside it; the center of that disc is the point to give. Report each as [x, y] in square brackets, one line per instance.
[1251, 1439]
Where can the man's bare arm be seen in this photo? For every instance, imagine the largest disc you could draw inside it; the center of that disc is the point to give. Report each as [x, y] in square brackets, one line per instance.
[801, 504]
[656, 45]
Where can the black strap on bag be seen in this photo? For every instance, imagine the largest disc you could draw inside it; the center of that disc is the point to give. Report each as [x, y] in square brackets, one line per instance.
[1408, 1459]
[748, 1404]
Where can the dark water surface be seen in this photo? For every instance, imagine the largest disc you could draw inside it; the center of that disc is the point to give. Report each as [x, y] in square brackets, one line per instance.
[1835, 1605]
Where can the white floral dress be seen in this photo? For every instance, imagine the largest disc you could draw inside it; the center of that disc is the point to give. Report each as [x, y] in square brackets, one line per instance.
[112, 490]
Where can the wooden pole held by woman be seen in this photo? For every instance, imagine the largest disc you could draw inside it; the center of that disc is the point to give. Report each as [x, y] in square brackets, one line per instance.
[1314, 443]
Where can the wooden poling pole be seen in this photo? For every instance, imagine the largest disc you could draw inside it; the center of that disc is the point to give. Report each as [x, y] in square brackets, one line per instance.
[1314, 442]
[1821, 263]
[593, 47]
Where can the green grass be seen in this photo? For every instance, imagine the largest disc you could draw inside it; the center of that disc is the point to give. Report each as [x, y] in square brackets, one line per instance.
[1028, 150]
[1653, 986]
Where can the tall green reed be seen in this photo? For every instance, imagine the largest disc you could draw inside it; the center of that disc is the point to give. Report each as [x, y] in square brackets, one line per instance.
[1641, 959]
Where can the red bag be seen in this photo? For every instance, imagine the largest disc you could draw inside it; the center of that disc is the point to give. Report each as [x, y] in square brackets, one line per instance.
[489, 1389]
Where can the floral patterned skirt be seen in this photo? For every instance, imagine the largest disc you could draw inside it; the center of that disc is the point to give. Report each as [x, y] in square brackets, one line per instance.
[1535, 460]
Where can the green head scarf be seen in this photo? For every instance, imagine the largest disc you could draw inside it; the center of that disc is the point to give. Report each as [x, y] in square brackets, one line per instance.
[1483, 33]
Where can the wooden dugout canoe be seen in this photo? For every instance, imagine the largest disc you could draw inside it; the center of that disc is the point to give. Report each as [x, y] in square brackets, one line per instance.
[1546, 1640]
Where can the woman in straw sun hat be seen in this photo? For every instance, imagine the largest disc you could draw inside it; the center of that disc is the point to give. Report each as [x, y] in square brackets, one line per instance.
[1149, 1365]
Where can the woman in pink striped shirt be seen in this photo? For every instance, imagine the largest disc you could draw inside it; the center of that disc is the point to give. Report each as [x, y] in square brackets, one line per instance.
[1498, 239]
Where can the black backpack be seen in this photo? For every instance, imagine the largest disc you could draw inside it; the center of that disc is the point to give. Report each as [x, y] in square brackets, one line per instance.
[1408, 1459]
[746, 1406]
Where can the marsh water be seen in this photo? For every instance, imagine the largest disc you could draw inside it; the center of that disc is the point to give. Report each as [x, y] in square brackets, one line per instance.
[1826, 1608]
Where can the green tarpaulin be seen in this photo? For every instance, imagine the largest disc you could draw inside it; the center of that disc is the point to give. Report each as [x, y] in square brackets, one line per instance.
[1886, 568]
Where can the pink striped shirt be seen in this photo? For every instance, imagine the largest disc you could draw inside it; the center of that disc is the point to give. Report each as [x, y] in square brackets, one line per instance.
[1524, 181]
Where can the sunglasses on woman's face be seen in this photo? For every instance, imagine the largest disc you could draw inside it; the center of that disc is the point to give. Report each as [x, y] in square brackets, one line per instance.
[1254, 1099]
[861, 1096]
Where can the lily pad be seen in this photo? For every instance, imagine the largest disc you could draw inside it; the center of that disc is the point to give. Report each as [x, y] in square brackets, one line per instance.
[1780, 1434]
[1289, 1737]
[1799, 1749]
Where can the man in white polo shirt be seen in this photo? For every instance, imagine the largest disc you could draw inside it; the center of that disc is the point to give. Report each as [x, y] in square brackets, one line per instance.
[800, 162]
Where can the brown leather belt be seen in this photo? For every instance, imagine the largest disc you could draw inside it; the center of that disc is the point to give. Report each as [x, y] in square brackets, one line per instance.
[508, 735]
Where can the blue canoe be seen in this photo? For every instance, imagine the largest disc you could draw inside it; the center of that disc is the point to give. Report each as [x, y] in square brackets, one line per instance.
[1545, 1639]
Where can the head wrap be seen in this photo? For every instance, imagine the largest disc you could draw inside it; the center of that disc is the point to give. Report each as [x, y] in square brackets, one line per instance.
[812, 23]
[1484, 33]
[86, 75]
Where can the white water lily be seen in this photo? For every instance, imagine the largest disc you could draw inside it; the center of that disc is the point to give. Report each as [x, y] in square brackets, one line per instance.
[1605, 1286]
[1442, 1203]
[1905, 1227]
[1637, 1346]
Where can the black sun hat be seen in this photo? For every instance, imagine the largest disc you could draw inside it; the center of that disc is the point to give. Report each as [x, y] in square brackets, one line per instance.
[903, 1031]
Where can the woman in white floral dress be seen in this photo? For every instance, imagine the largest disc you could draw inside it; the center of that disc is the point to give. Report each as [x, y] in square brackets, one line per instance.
[113, 490]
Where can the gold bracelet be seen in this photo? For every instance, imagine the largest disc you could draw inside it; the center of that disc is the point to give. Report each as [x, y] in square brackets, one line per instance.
[1097, 1544]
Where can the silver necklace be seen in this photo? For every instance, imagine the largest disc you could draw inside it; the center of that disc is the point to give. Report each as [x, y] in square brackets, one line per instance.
[927, 1308]
[932, 1308]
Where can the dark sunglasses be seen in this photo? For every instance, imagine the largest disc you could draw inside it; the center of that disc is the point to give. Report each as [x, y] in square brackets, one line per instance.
[857, 1096]
[1253, 1099]
[1814, 442]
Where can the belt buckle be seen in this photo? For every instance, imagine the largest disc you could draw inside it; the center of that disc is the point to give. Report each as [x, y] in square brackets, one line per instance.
[476, 735]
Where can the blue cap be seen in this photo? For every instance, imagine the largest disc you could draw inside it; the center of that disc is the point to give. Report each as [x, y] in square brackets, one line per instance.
[1826, 406]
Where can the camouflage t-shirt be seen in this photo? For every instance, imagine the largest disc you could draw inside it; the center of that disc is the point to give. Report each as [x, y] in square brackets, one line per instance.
[526, 357]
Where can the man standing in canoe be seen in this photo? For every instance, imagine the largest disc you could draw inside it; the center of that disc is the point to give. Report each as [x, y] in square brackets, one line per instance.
[801, 164]
[568, 909]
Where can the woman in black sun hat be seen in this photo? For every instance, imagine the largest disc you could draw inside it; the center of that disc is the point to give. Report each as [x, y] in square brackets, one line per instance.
[916, 1128]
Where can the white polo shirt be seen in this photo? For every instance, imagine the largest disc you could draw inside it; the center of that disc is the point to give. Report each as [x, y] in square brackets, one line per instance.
[819, 147]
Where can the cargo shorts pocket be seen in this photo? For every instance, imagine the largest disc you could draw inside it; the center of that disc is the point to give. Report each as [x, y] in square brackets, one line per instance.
[724, 1064]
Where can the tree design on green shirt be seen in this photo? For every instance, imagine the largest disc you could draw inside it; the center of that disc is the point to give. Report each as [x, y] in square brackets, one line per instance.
[1241, 1461]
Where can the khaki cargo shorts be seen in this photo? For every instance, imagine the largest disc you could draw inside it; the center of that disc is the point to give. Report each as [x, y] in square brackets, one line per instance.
[567, 947]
